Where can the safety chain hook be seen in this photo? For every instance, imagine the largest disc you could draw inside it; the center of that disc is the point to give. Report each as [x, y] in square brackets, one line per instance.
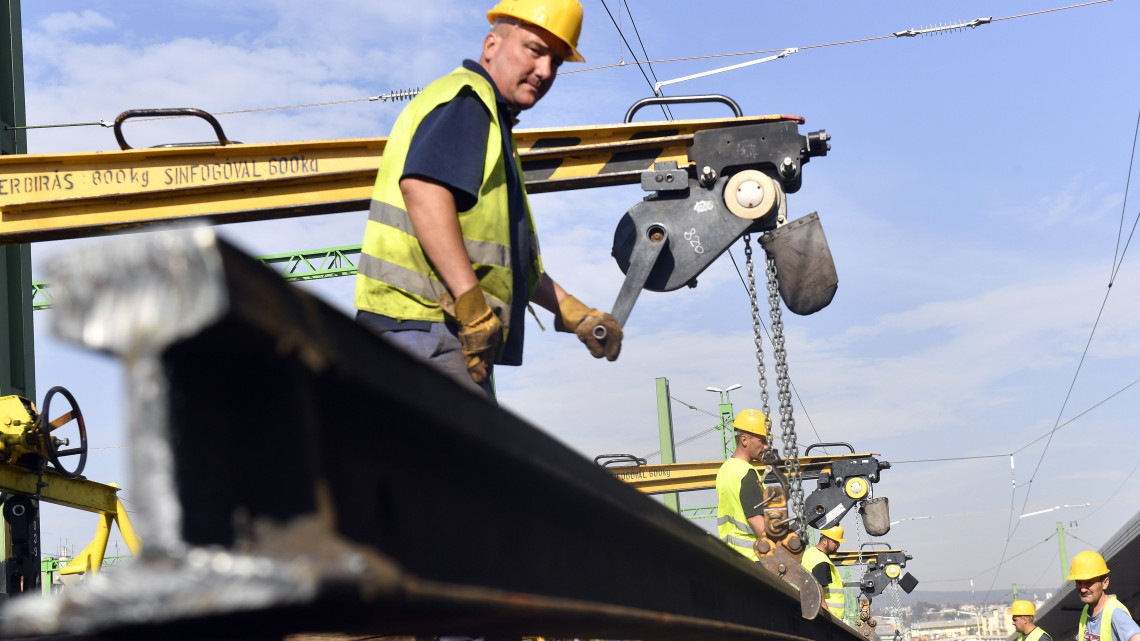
[787, 421]
[758, 336]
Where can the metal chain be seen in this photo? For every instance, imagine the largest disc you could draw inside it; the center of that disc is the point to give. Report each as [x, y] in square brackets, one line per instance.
[756, 331]
[783, 386]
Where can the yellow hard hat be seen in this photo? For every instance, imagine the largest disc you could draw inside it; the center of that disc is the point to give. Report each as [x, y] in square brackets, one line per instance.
[563, 18]
[1087, 565]
[751, 421]
[835, 533]
[1022, 608]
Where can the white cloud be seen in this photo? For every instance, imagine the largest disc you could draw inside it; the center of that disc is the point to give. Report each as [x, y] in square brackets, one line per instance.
[70, 22]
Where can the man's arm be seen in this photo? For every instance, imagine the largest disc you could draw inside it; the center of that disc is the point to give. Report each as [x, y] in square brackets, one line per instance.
[822, 573]
[549, 294]
[751, 496]
[431, 208]
[1124, 626]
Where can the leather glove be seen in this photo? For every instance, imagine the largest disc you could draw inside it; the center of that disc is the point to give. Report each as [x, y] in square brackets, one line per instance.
[480, 331]
[575, 317]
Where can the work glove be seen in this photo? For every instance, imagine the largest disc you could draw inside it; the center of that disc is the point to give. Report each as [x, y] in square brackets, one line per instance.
[576, 318]
[480, 331]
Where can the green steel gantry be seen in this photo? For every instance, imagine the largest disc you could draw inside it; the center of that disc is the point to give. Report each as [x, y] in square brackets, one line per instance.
[311, 264]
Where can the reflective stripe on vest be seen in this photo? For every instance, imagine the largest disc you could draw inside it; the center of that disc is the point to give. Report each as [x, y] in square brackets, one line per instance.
[732, 524]
[1105, 619]
[395, 278]
[833, 592]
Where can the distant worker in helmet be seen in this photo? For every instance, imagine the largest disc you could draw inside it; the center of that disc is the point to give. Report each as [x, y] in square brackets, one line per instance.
[1103, 618]
[739, 516]
[817, 560]
[1023, 613]
[450, 257]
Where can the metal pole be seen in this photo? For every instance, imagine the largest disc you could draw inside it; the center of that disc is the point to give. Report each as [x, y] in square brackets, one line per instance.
[1064, 557]
[17, 356]
[665, 434]
[726, 432]
[17, 359]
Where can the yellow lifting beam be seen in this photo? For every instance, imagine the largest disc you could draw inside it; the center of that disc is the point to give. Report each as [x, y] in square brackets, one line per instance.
[80, 494]
[857, 557]
[53, 196]
[686, 477]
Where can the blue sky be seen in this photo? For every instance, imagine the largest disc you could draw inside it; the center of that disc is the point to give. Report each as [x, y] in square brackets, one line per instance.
[973, 200]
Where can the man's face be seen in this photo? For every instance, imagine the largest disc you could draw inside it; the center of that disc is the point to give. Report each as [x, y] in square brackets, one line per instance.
[1091, 590]
[1021, 622]
[522, 60]
[755, 445]
[832, 545]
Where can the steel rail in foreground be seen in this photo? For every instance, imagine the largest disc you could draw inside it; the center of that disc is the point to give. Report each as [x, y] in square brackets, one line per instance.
[296, 473]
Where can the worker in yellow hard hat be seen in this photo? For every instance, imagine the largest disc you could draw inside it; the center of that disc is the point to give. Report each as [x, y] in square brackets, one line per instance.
[739, 517]
[450, 257]
[817, 559]
[1023, 613]
[1090, 572]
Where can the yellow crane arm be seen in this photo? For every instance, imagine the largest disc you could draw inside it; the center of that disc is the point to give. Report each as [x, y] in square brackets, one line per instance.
[53, 196]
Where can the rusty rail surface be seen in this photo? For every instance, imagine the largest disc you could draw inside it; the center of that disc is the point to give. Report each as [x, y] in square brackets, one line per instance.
[294, 473]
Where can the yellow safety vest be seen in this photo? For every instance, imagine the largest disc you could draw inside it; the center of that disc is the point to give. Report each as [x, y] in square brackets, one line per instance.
[1105, 619]
[731, 523]
[833, 592]
[394, 277]
[1034, 635]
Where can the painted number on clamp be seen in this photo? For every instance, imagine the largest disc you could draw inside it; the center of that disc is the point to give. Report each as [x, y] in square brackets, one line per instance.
[694, 240]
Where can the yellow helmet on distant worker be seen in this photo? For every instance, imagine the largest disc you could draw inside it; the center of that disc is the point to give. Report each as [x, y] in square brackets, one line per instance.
[752, 421]
[1087, 565]
[563, 18]
[835, 533]
[1022, 608]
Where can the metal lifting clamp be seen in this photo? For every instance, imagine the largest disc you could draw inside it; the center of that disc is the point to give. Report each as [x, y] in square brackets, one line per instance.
[843, 485]
[884, 567]
[779, 548]
[736, 184]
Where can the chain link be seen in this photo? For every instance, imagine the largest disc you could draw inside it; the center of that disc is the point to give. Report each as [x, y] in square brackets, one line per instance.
[756, 331]
[784, 394]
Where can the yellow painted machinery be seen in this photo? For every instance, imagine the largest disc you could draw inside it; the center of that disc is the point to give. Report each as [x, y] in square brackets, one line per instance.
[42, 456]
[843, 481]
[29, 438]
[709, 183]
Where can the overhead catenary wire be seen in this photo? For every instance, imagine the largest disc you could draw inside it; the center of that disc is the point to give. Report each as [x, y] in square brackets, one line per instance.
[1114, 492]
[644, 52]
[622, 63]
[889, 36]
[1118, 261]
[633, 53]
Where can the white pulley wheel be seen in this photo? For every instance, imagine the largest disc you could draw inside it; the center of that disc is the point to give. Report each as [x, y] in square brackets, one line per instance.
[750, 194]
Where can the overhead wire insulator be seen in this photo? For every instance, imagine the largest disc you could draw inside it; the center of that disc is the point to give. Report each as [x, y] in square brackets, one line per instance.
[400, 94]
[932, 30]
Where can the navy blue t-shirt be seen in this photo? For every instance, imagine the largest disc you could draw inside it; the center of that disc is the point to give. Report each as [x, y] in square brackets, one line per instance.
[450, 147]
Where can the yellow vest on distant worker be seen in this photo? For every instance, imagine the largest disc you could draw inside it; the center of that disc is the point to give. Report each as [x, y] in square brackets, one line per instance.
[833, 592]
[1105, 619]
[394, 277]
[731, 523]
[1035, 635]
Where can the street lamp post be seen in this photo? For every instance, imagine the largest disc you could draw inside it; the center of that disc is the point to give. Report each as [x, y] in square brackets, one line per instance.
[977, 616]
[727, 442]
